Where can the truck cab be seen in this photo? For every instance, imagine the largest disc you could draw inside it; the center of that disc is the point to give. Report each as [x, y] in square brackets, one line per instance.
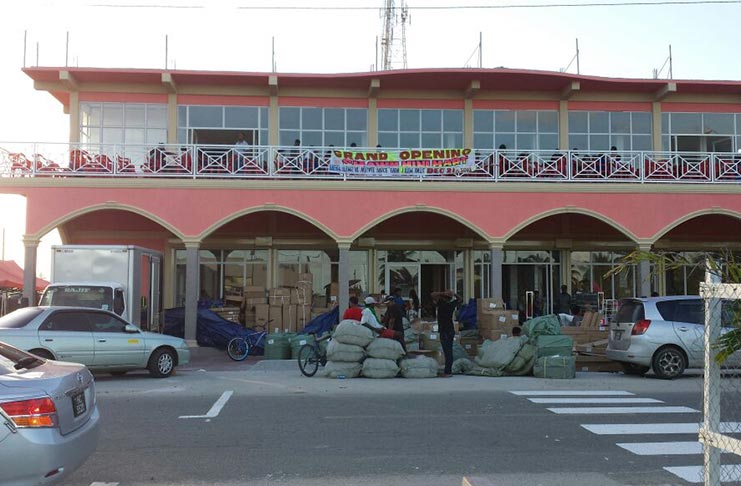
[108, 296]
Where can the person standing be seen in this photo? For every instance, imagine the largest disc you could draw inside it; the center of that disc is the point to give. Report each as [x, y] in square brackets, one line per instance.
[354, 312]
[564, 301]
[399, 301]
[414, 304]
[446, 302]
[394, 320]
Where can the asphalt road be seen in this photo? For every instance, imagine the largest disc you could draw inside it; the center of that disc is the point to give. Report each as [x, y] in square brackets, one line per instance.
[266, 424]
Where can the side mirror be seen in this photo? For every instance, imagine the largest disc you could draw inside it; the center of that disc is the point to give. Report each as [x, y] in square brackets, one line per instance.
[131, 328]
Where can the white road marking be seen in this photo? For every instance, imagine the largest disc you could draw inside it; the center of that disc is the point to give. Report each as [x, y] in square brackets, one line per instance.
[662, 448]
[215, 409]
[693, 474]
[572, 393]
[594, 400]
[98, 483]
[668, 428]
[616, 410]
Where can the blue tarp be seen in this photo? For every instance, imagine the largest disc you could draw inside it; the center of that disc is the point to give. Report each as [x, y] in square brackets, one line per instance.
[467, 315]
[211, 330]
[322, 323]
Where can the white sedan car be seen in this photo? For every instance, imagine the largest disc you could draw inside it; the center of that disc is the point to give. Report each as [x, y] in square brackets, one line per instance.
[99, 339]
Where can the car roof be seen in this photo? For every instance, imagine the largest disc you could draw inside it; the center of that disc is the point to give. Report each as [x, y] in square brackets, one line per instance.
[664, 298]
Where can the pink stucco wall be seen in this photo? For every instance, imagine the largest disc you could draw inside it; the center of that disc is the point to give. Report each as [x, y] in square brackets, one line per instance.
[344, 213]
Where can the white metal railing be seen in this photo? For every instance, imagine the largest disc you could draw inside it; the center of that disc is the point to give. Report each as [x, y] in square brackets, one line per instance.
[280, 162]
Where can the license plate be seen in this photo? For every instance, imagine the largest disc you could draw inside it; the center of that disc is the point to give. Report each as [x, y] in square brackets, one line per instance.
[617, 334]
[78, 404]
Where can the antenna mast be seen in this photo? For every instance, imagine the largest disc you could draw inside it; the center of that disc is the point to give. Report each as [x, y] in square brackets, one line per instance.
[394, 54]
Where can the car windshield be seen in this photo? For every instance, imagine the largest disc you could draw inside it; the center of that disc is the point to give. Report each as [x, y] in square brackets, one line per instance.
[19, 318]
[96, 297]
[10, 357]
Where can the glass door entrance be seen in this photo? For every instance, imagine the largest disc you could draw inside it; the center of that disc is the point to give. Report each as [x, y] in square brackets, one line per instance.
[404, 276]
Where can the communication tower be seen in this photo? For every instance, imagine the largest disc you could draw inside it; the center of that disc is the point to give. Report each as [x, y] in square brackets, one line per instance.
[394, 37]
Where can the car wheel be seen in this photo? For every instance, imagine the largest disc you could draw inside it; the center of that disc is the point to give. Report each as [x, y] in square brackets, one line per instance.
[42, 353]
[161, 363]
[669, 363]
[635, 369]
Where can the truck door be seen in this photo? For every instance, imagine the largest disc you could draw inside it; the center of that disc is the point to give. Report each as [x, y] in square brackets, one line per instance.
[113, 346]
[154, 295]
[68, 334]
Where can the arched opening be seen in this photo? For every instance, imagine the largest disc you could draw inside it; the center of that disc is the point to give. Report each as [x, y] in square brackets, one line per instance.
[246, 257]
[688, 242]
[574, 249]
[423, 251]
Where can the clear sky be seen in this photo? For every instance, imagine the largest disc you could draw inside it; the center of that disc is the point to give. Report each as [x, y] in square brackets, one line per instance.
[618, 41]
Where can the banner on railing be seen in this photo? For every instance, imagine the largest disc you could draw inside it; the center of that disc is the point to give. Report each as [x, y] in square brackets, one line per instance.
[402, 162]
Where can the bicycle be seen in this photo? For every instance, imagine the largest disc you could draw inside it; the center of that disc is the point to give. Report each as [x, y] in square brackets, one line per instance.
[311, 355]
[239, 347]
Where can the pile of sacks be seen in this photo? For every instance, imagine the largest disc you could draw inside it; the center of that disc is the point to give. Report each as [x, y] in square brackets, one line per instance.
[542, 351]
[354, 351]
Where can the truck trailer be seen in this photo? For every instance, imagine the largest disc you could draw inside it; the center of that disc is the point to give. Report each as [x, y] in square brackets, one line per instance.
[124, 279]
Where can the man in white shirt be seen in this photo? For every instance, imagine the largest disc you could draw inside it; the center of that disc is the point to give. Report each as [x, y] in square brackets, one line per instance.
[369, 318]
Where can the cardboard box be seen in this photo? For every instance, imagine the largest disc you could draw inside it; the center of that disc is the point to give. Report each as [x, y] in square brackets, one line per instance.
[249, 302]
[499, 320]
[276, 316]
[300, 296]
[305, 277]
[472, 348]
[287, 277]
[281, 291]
[319, 301]
[493, 334]
[249, 289]
[304, 315]
[262, 315]
[489, 305]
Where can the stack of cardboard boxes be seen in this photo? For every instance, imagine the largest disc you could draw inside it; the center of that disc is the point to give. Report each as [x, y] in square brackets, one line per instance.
[281, 309]
[494, 320]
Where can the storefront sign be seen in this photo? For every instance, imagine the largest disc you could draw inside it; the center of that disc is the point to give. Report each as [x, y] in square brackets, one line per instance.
[402, 162]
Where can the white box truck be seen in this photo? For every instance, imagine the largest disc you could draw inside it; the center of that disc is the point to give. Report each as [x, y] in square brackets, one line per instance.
[124, 279]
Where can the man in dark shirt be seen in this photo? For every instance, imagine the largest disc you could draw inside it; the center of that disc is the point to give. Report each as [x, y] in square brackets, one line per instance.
[446, 302]
[393, 320]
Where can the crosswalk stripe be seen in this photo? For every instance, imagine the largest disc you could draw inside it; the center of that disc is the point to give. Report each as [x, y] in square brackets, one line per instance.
[667, 428]
[618, 410]
[572, 393]
[595, 400]
[662, 448]
[694, 474]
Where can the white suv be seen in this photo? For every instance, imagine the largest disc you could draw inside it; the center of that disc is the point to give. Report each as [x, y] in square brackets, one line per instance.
[665, 334]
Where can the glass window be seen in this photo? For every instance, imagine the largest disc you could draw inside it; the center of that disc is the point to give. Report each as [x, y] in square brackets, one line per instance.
[409, 120]
[334, 119]
[290, 118]
[241, 117]
[409, 140]
[718, 123]
[453, 120]
[578, 122]
[599, 122]
[431, 120]
[548, 121]
[483, 141]
[526, 121]
[548, 142]
[357, 119]
[134, 115]
[156, 116]
[311, 118]
[182, 116]
[620, 123]
[431, 140]
[388, 140]
[689, 123]
[504, 121]
[112, 115]
[66, 321]
[206, 116]
[641, 122]
[388, 120]
[483, 121]
[106, 323]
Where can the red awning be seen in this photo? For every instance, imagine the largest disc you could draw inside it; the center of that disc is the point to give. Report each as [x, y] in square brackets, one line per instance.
[11, 276]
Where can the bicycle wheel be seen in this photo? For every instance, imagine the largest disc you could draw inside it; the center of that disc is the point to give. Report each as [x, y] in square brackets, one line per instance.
[308, 360]
[238, 349]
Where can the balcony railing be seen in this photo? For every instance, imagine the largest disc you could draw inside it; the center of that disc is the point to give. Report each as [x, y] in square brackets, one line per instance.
[294, 162]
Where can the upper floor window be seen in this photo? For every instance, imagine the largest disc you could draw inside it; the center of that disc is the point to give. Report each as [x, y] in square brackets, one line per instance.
[602, 130]
[701, 132]
[515, 130]
[123, 123]
[323, 127]
[222, 125]
[402, 128]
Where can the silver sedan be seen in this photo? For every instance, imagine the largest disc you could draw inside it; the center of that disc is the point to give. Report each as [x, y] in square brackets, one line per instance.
[49, 420]
[99, 339]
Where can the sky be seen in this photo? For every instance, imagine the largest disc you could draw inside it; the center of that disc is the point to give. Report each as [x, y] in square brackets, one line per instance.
[237, 35]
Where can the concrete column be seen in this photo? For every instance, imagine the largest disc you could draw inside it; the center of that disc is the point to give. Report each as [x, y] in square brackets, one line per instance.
[468, 274]
[496, 257]
[372, 122]
[644, 274]
[74, 117]
[563, 125]
[468, 123]
[172, 118]
[344, 276]
[29, 269]
[656, 127]
[192, 287]
[373, 286]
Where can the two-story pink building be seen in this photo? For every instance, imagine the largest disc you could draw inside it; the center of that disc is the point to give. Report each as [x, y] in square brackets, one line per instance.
[490, 181]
